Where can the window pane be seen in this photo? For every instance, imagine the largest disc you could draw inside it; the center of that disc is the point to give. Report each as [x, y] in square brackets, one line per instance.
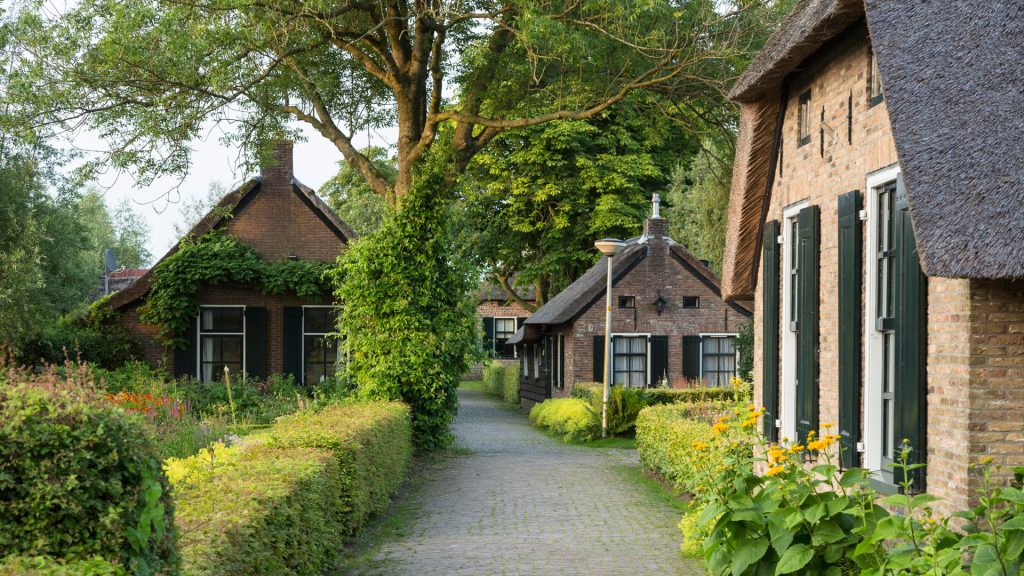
[231, 349]
[318, 320]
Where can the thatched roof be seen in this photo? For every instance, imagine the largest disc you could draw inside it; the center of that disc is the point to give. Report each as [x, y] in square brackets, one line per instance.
[952, 80]
[231, 203]
[954, 85]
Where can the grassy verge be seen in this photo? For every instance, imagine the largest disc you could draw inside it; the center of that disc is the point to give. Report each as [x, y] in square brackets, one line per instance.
[654, 489]
[610, 442]
[477, 385]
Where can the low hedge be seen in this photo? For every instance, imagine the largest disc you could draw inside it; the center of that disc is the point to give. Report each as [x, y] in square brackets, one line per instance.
[282, 502]
[48, 566]
[569, 418]
[494, 378]
[592, 391]
[510, 384]
[79, 478]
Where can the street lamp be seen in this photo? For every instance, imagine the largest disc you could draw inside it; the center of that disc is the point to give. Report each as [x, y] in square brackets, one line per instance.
[609, 247]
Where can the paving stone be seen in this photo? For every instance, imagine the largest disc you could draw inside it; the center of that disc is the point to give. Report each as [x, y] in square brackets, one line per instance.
[522, 503]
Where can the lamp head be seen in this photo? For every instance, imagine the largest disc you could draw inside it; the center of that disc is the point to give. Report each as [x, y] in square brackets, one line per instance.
[610, 246]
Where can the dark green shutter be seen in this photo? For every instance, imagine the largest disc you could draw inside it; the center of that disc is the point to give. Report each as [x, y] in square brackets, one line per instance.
[770, 330]
[488, 333]
[185, 358]
[598, 358]
[561, 361]
[691, 357]
[545, 364]
[910, 303]
[659, 359]
[256, 342]
[850, 272]
[807, 323]
[291, 361]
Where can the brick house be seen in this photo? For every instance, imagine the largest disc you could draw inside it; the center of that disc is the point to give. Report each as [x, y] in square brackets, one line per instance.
[879, 233]
[500, 317]
[670, 325]
[239, 326]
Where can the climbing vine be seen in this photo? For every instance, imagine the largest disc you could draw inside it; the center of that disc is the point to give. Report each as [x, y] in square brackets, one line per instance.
[215, 259]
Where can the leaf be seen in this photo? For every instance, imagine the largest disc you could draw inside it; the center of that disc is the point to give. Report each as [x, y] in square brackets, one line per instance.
[852, 477]
[781, 538]
[749, 551]
[795, 558]
[827, 532]
[985, 561]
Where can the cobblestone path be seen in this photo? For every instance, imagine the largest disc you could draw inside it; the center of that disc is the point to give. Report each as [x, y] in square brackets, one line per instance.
[523, 503]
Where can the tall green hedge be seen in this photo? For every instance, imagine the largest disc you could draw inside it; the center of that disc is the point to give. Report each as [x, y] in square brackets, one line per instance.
[47, 566]
[494, 378]
[510, 384]
[80, 478]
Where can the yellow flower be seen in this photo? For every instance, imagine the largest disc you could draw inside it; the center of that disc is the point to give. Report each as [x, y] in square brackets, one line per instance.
[751, 407]
[699, 446]
[828, 425]
[774, 470]
[795, 448]
[749, 422]
[720, 427]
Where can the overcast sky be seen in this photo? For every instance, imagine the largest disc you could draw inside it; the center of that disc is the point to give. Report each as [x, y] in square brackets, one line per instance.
[316, 161]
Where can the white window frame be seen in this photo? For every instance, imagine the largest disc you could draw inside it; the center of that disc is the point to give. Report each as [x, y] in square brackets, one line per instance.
[611, 354]
[787, 356]
[494, 338]
[734, 335]
[302, 343]
[873, 339]
[200, 334]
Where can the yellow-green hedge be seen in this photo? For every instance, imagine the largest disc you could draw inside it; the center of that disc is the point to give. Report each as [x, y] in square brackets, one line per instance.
[47, 566]
[569, 418]
[666, 434]
[510, 384]
[282, 502]
[494, 378]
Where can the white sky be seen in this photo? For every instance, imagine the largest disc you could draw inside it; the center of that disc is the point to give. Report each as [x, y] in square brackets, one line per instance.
[316, 161]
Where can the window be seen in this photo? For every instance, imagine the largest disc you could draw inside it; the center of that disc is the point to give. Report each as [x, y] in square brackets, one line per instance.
[875, 94]
[504, 328]
[319, 343]
[691, 302]
[559, 360]
[790, 272]
[627, 302]
[718, 359]
[804, 119]
[536, 360]
[221, 341]
[629, 366]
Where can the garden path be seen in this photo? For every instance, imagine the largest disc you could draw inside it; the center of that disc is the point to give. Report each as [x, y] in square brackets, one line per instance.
[520, 502]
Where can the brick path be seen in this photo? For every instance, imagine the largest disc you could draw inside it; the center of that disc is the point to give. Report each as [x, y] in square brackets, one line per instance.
[523, 503]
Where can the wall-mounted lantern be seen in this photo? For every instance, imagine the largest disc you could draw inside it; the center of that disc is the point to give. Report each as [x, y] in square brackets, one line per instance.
[659, 304]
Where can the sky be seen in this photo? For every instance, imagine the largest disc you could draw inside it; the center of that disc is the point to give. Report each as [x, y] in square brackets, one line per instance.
[316, 161]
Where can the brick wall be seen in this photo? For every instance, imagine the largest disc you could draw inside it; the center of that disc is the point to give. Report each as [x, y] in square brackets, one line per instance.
[502, 308]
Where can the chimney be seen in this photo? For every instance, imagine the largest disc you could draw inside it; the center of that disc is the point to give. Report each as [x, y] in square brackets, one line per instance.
[279, 169]
[656, 226]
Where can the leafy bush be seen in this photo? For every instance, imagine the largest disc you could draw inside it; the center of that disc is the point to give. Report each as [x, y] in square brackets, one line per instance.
[654, 396]
[282, 501]
[494, 378]
[47, 566]
[78, 477]
[108, 346]
[510, 384]
[569, 418]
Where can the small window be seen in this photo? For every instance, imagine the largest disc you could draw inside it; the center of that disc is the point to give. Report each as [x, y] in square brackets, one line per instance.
[874, 82]
[629, 361]
[504, 328]
[221, 341]
[691, 302]
[718, 360]
[804, 120]
[627, 302]
[319, 343]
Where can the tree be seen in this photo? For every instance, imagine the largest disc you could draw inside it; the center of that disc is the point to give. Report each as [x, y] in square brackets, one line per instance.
[192, 210]
[698, 201]
[351, 198]
[131, 236]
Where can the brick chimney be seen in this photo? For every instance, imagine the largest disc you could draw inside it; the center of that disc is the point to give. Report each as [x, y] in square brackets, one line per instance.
[278, 171]
[656, 226]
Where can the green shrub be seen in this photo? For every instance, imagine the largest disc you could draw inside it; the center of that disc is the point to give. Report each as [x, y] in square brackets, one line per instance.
[569, 418]
[592, 391]
[47, 566]
[78, 477]
[494, 378]
[665, 437]
[108, 346]
[510, 384]
[282, 501]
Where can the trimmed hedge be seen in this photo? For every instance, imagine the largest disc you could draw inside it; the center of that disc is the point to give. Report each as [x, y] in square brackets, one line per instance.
[47, 566]
[510, 384]
[569, 418]
[592, 391]
[494, 378]
[282, 502]
[80, 478]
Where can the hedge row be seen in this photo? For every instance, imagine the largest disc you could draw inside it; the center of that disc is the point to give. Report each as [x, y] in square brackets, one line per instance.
[48, 566]
[666, 434]
[502, 381]
[282, 502]
[592, 392]
[570, 418]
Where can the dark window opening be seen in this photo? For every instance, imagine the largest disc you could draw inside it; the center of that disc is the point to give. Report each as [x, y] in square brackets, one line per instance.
[629, 366]
[794, 274]
[885, 320]
[691, 302]
[627, 302]
[221, 341]
[875, 94]
[319, 344]
[804, 119]
[504, 328]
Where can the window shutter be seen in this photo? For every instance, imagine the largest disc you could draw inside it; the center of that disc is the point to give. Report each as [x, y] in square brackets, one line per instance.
[546, 362]
[807, 319]
[691, 357]
[291, 361]
[850, 271]
[598, 358]
[561, 361]
[520, 321]
[185, 358]
[770, 330]
[488, 333]
[256, 342]
[659, 360]
[910, 301]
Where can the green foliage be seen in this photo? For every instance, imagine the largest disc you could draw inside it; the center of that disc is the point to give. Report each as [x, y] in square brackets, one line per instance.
[81, 338]
[569, 418]
[510, 384]
[593, 391]
[283, 501]
[698, 201]
[80, 478]
[745, 351]
[351, 198]
[494, 378]
[218, 259]
[47, 566]
[408, 317]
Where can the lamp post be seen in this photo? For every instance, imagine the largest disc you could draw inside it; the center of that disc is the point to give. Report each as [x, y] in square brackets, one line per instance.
[609, 247]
